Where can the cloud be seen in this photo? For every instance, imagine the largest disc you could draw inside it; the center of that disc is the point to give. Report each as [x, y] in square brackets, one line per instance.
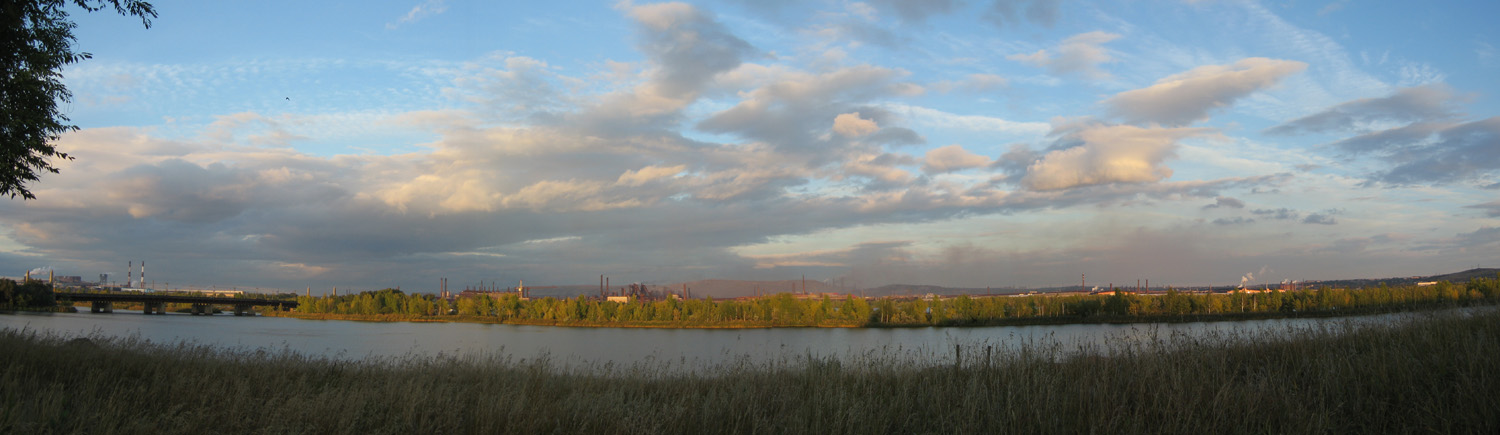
[1407, 105]
[1415, 131]
[525, 89]
[1454, 153]
[929, 117]
[1332, 7]
[952, 158]
[1104, 154]
[793, 111]
[1225, 202]
[1278, 214]
[422, 10]
[851, 125]
[1237, 220]
[916, 11]
[1080, 54]
[1188, 97]
[1009, 12]
[688, 46]
[1319, 219]
[1491, 209]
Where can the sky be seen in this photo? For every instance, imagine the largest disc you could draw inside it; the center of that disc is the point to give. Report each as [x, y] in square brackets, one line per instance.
[964, 143]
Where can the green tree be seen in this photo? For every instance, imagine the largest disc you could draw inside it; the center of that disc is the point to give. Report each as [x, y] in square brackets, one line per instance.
[36, 43]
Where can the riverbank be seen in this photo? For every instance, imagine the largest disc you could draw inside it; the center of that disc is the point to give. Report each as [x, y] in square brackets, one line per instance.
[1016, 321]
[1428, 373]
[787, 310]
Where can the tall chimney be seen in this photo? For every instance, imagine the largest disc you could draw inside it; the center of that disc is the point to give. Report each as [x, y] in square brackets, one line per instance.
[143, 273]
[129, 274]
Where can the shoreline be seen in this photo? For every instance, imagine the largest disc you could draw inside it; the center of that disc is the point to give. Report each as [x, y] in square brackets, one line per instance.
[1027, 321]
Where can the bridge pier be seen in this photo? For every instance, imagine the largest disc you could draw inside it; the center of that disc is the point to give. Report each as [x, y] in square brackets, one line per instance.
[102, 307]
[202, 310]
[155, 308]
[242, 310]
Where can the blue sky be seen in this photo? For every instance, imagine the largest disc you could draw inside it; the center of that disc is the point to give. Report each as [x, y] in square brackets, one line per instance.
[961, 143]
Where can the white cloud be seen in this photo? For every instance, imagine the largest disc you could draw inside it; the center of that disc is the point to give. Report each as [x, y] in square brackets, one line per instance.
[952, 158]
[1108, 154]
[1188, 97]
[1079, 54]
[851, 125]
[422, 10]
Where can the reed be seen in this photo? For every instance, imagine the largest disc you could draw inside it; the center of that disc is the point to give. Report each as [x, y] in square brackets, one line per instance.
[1427, 373]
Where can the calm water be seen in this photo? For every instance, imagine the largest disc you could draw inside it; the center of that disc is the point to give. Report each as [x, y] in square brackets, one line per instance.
[682, 347]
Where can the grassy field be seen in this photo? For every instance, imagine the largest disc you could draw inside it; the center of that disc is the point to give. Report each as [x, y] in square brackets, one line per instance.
[1431, 373]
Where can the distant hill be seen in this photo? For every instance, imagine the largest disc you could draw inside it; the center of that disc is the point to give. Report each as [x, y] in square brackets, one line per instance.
[1456, 278]
[921, 289]
[727, 288]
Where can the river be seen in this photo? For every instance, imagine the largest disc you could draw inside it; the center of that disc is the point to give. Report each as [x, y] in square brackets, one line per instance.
[621, 346]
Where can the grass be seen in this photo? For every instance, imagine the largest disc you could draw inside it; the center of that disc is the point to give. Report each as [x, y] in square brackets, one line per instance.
[1429, 373]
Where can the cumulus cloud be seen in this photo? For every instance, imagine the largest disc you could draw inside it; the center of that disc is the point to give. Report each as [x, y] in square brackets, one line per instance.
[1002, 13]
[1189, 97]
[952, 158]
[1104, 154]
[531, 175]
[851, 125]
[688, 45]
[793, 110]
[1080, 54]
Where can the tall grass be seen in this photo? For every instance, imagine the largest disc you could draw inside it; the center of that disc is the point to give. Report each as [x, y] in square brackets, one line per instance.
[1429, 373]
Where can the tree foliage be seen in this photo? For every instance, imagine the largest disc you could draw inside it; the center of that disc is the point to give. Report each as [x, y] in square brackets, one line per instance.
[26, 294]
[36, 42]
[789, 310]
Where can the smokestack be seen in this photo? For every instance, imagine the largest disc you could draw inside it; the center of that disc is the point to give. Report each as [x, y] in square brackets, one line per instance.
[129, 274]
[143, 273]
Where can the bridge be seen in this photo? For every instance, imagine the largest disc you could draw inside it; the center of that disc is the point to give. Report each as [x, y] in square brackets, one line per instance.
[156, 303]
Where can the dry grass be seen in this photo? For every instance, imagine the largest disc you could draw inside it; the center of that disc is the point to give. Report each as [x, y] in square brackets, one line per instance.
[1432, 373]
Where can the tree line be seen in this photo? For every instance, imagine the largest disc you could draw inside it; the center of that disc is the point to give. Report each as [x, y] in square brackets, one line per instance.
[789, 310]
